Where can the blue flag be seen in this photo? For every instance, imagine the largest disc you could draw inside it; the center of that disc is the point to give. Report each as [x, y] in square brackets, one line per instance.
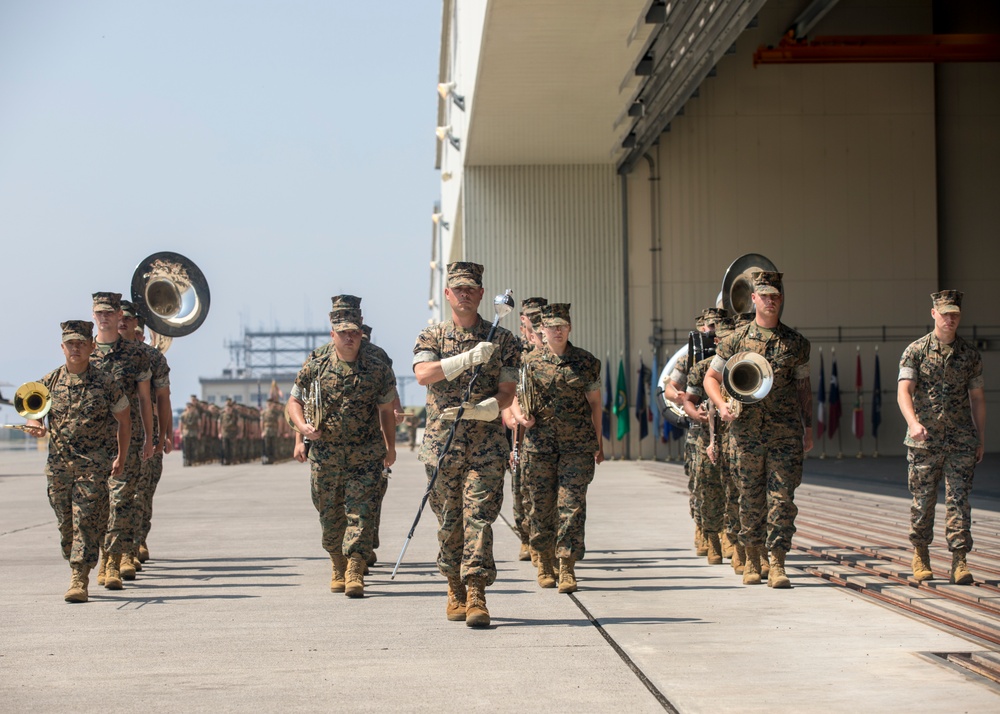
[641, 411]
[876, 399]
[606, 414]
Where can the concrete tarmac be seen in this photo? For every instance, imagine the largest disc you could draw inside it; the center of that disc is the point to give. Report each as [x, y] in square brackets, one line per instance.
[233, 613]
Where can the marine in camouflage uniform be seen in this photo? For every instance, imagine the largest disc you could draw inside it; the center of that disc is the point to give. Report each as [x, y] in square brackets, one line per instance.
[563, 439]
[129, 364]
[88, 416]
[941, 395]
[468, 491]
[353, 302]
[772, 434]
[519, 482]
[190, 431]
[708, 477]
[270, 422]
[229, 431]
[132, 327]
[354, 441]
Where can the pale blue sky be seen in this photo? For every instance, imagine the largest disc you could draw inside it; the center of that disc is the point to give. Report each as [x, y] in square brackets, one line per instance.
[287, 147]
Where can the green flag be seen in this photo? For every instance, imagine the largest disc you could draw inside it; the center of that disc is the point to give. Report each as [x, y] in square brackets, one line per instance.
[621, 402]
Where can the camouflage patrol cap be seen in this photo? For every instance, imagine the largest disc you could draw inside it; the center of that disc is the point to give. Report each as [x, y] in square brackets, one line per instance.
[465, 274]
[724, 327]
[536, 320]
[77, 330]
[699, 321]
[712, 315]
[107, 302]
[367, 329]
[948, 301]
[532, 304]
[744, 318]
[128, 309]
[345, 319]
[342, 302]
[766, 282]
[555, 314]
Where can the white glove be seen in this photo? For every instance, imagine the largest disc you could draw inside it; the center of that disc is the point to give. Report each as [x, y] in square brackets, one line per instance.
[486, 410]
[454, 366]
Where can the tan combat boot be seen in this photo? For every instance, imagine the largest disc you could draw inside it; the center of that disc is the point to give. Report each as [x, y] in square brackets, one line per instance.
[546, 571]
[112, 577]
[78, 584]
[751, 570]
[455, 609]
[776, 577]
[355, 581]
[727, 545]
[339, 569]
[476, 614]
[534, 556]
[104, 564]
[714, 549]
[960, 574]
[135, 562]
[739, 558]
[525, 553]
[567, 575]
[701, 542]
[765, 564]
[125, 567]
[922, 564]
[143, 552]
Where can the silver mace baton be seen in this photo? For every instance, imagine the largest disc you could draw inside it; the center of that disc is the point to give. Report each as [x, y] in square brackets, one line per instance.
[502, 305]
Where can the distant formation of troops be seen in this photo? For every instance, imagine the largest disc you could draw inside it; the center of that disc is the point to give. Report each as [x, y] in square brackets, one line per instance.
[235, 433]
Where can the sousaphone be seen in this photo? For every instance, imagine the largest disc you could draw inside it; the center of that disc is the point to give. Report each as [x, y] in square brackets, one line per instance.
[171, 293]
[737, 285]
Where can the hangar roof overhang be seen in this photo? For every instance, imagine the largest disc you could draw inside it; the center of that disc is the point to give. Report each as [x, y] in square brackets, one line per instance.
[592, 81]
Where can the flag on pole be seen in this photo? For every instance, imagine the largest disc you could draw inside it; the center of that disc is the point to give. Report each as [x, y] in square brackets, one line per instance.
[641, 411]
[821, 398]
[621, 402]
[834, 398]
[606, 413]
[859, 409]
[876, 398]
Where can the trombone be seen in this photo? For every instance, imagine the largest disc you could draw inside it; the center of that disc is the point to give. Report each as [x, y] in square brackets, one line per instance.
[32, 400]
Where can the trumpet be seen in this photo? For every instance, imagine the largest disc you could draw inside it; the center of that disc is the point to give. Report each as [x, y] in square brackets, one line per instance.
[32, 400]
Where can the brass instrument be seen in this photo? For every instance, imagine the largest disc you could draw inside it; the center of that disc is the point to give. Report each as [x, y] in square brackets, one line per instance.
[171, 293]
[747, 378]
[668, 409]
[737, 285]
[32, 400]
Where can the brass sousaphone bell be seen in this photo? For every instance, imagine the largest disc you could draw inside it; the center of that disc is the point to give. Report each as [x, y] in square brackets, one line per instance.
[171, 293]
[737, 285]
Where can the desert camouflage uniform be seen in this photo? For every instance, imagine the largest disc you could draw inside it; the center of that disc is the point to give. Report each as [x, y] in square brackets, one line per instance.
[944, 374]
[468, 493]
[270, 418]
[679, 376]
[562, 444]
[151, 469]
[190, 431]
[519, 479]
[229, 426]
[347, 459]
[82, 446]
[129, 365]
[376, 352]
[708, 485]
[768, 436]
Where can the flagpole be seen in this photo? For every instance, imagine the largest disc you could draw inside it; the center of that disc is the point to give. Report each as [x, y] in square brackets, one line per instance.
[611, 423]
[821, 422]
[638, 451]
[859, 399]
[840, 432]
[877, 384]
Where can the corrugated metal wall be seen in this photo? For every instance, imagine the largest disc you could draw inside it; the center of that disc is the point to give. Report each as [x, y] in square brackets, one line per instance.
[552, 231]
